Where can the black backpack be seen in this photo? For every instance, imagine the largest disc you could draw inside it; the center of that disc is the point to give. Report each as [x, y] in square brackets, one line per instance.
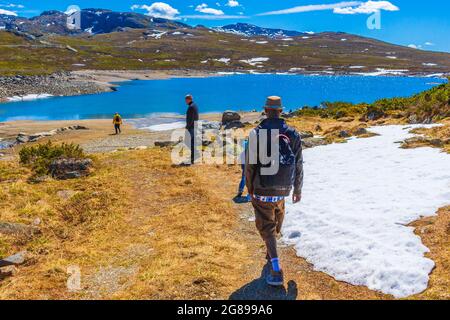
[285, 176]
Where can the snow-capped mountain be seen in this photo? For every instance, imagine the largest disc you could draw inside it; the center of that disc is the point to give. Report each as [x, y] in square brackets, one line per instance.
[92, 21]
[250, 30]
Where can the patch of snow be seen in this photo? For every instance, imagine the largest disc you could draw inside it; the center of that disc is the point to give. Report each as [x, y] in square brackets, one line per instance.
[255, 61]
[384, 72]
[296, 69]
[287, 39]
[262, 42]
[309, 32]
[435, 75]
[29, 97]
[223, 60]
[306, 37]
[352, 222]
[343, 39]
[356, 67]
[166, 126]
[157, 34]
[429, 64]
[391, 57]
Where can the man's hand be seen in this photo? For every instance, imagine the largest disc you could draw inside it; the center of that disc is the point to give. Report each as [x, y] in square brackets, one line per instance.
[296, 198]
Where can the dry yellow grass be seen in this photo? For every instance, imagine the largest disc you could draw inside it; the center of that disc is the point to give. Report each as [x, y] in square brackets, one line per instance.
[441, 132]
[435, 234]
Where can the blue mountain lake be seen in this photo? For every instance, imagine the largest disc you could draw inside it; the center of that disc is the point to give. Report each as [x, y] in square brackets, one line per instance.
[137, 99]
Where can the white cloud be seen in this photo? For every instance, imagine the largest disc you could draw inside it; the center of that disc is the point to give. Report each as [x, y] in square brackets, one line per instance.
[158, 10]
[8, 13]
[203, 8]
[233, 3]
[12, 5]
[345, 7]
[367, 8]
[429, 43]
[313, 7]
[414, 46]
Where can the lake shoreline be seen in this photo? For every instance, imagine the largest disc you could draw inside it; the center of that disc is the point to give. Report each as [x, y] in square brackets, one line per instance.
[85, 82]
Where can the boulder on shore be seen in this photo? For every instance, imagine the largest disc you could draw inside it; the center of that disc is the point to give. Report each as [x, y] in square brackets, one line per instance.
[230, 116]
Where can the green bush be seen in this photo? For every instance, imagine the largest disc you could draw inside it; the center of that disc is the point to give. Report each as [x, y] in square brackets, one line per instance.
[39, 157]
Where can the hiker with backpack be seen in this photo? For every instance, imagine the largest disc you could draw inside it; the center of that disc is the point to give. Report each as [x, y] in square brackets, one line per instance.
[268, 191]
[117, 121]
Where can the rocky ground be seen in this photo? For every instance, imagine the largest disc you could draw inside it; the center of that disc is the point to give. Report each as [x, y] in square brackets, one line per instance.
[57, 84]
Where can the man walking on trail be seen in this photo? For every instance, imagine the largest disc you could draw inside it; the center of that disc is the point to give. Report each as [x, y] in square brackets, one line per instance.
[192, 118]
[269, 191]
[117, 121]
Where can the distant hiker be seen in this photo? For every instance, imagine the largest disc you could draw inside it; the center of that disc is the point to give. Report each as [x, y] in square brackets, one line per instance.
[117, 121]
[269, 191]
[192, 118]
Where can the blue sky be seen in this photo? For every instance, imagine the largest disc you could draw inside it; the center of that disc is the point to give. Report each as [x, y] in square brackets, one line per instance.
[424, 24]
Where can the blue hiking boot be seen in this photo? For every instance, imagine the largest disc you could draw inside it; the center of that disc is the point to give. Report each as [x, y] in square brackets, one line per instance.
[275, 279]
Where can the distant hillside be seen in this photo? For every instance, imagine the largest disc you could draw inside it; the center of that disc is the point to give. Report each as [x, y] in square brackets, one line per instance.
[117, 40]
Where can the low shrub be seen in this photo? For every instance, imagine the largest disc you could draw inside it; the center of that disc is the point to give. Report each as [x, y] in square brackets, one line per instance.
[39, 157]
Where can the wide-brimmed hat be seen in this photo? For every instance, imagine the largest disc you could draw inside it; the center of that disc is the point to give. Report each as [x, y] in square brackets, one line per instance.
[274, 102]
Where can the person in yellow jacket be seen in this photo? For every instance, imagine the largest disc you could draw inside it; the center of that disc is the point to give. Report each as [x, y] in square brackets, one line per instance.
[117, 121]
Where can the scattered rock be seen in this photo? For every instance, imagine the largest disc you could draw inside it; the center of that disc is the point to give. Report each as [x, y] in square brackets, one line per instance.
[313, 142]
[138, 148]
[318, 127]
[63, 169]
[8, 271]
[65, 194]
[14, 260]
[344, 134]
[374, 115]
[165, 144]
[230, 116]
[437, 143]
[236, 124]
[361, 131]
[7, 228]
[418, 139]
[24, 138]
[346, 119]
[306, 134]
[210, 125]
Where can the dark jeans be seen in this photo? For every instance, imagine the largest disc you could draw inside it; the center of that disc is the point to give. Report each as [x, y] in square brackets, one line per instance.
[190, 142]
[117, 128]
[242, 183]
